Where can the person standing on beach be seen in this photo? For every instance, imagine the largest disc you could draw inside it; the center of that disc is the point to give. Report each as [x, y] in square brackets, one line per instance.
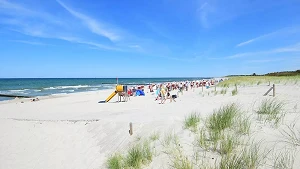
[163, 95]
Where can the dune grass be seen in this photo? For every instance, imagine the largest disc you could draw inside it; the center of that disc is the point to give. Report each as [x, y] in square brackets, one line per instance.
[137, 155]
[228, 144]
[168, 138]
[154, 136]
[191, 121]
[234, 92]
[291, 135]
[115, 162]
[242, 124]
[181, 162]
[223, 91]
[250, 157]
[201, 139]
[223, 118]
[271, 110]
[258, 80]
[284, 160]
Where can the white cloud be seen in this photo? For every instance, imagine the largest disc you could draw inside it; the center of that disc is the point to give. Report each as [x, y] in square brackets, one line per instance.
[95, 26]
[292, 48]
[27, 21]
[29, 42]
[287, 30]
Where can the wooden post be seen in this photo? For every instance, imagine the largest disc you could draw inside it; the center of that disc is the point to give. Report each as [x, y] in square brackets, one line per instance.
[130, 128]
[202, 88]
[235, 87]
[273, 90]
[269, 83]
[215, 88]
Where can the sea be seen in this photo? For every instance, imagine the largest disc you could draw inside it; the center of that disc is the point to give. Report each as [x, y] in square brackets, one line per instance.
[34, 87]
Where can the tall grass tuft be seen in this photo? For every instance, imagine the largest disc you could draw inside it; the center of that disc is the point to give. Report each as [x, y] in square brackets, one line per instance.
[271, 110]
[168, 138]
[250, 158]
[154, 136]
[242, 125]
[201, 139]
[228, 144]
[139, 155]
[291, 135]
[234, 92]
[115, 162]
[181, 162]
[223, 91]
[284, 160]
[223, 118]
[191, 121]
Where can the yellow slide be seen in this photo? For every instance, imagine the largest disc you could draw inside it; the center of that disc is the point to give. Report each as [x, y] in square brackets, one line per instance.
[111, 96]
[119, 88]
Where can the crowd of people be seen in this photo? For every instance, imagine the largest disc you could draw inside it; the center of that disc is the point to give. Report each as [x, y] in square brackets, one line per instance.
[171, 90]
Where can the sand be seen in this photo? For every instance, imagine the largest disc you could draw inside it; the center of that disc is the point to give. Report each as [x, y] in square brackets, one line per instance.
[75, 131]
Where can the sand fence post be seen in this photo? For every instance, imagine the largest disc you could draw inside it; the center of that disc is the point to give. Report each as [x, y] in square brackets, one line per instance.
[130, 128]
[273, 90]
[215, 88]
[269, 83]
[202, 88]
[235, 87]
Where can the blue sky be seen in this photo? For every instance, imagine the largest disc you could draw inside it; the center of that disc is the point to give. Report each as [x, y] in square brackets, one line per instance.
[142, 38]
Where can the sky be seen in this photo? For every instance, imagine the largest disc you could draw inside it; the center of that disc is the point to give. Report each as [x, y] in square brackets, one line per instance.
[142, 38]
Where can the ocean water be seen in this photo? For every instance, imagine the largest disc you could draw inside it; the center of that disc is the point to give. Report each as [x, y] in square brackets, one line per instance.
[51, 86]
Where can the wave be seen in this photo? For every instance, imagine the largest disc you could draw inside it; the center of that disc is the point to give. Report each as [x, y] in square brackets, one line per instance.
[67, 87]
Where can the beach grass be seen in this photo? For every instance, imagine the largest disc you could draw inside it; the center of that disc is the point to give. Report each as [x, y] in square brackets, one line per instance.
[271, 110]
[228, 144]
[291, 135]
[284, 160]
[201, 139]
[154, 136]
[250, 157]
[168, 138]
[258, 80]
[181, 162]
[138, 155]
[234, 92]
[223, 117]
[191, 121]
[115, 162]
[223, 91]
[242, 125]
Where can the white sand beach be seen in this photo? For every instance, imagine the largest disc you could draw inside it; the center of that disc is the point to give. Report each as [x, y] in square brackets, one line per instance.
[75, 131]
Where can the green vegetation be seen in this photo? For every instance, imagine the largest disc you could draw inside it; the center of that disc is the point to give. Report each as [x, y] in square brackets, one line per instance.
[223, 91]
[249, 158]
[154, 136]
[137, 155]
[234, 92]
[181, 162]
[191, 122]
[115, 162]
[201, 139]
[228, 144]
[291, 135]
[284, 160]
[271, 110]
[168, 138]
[242, 125]
[223, 118]
[250, 80]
